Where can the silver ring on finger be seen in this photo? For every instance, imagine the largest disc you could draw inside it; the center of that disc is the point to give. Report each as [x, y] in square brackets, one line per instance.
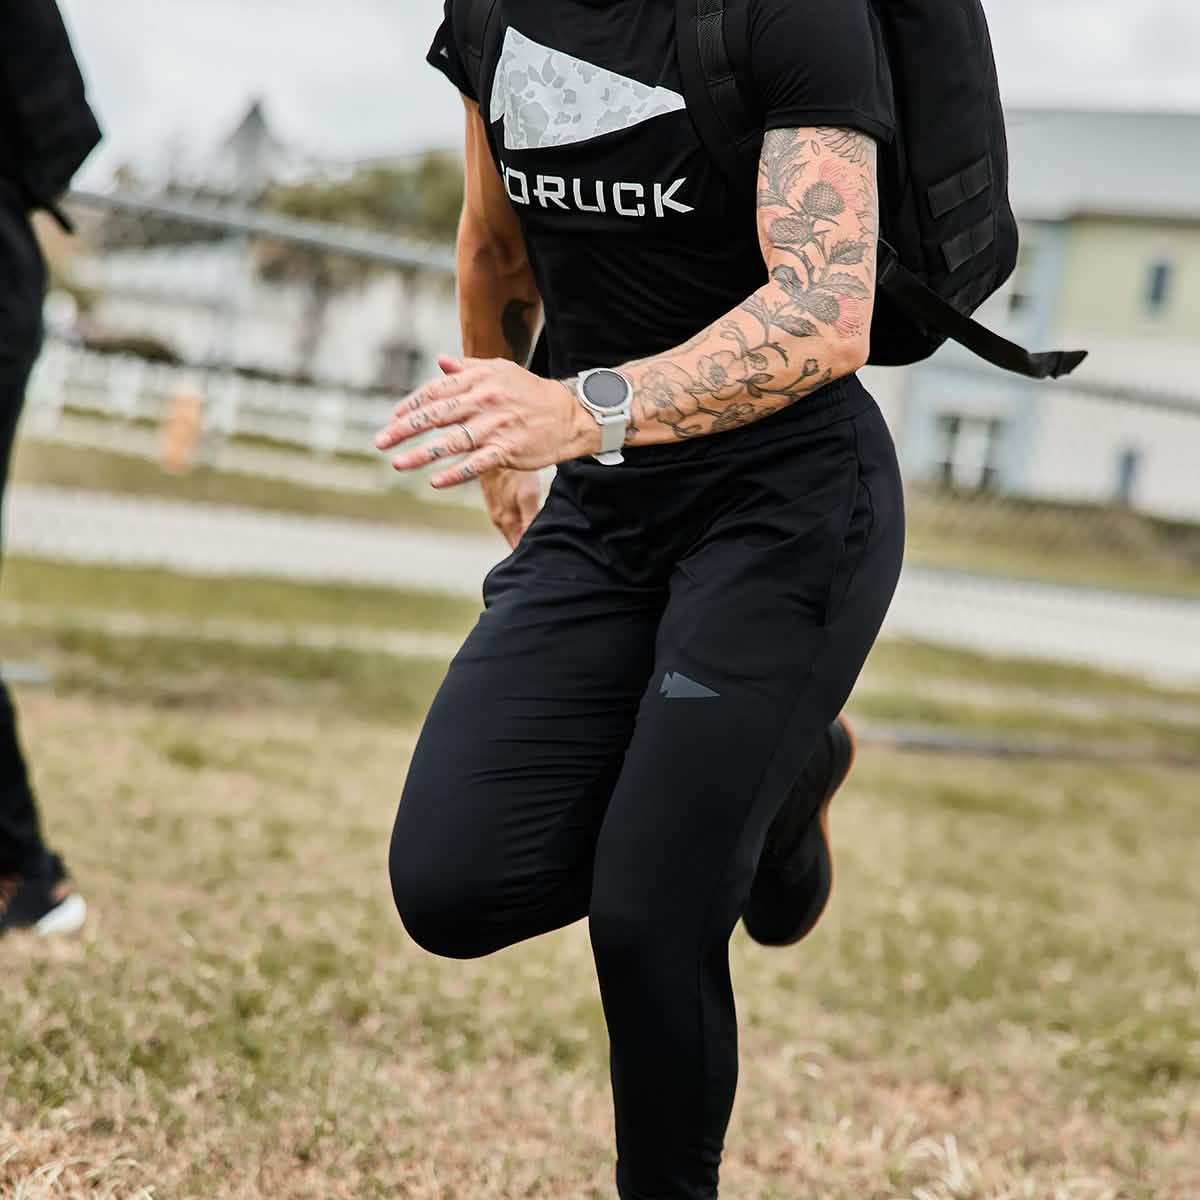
[470, 437]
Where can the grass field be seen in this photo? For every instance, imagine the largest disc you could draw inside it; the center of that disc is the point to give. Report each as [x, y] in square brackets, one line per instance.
[177, 645]
[105, 471]
[1097, 547]
[1084, 545]
[37, 584]
[1003, 1003]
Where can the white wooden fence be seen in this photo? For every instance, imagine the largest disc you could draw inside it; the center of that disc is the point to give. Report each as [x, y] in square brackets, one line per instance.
[72, 381]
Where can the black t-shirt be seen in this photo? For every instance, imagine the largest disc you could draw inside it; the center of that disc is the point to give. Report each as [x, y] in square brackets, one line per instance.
[637, 242]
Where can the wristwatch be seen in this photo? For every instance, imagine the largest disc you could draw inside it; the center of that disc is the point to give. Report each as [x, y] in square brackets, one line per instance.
[608, 396]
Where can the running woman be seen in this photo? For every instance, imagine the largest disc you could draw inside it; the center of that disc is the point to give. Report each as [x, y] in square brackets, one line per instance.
[642, 728]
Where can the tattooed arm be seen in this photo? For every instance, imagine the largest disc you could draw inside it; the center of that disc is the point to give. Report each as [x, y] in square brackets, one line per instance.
[498, 302]
[499, 307]
[809, 324]
[818, 218]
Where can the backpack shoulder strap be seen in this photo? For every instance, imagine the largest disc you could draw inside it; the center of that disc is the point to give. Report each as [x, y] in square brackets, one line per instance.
[712, 37]
[471, 20]
[923, 304]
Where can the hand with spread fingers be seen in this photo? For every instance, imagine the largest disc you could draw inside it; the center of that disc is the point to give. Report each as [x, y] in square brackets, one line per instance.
[493, 415]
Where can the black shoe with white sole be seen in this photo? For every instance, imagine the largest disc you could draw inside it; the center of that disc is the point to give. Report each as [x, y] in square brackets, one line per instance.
[795, 874]
[43, 900]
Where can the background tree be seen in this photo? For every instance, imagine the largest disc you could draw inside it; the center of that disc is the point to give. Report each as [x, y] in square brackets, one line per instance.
[420, 197]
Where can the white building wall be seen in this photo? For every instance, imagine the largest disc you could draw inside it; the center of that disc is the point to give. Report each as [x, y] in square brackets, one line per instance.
[361, 322]
[1080, 440]
[1158, 364]
[208, 304]
[889, 386]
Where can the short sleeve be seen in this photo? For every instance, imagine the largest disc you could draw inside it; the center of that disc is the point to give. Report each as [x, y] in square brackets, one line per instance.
[821, 62]
[444, 55]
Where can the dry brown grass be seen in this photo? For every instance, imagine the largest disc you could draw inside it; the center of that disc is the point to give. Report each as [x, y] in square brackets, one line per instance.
[1003, 1003]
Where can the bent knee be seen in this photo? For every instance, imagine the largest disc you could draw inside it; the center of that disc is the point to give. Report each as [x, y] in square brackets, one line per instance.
[441, 913]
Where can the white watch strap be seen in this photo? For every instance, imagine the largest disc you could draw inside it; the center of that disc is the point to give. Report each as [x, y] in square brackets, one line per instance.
[613, 428]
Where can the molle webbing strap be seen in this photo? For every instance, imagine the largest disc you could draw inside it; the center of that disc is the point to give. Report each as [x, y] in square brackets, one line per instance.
[948, 195]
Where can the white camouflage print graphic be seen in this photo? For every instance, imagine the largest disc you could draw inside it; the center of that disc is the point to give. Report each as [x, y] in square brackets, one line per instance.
[548, 98]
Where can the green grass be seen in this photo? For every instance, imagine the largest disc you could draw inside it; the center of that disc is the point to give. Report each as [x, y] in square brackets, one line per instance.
[182, 673]
[189, 657]
[1072, 544]
[914, 663]
[1083, 545]
[1060, 706]
[215, 673]
[1072, 568]
[102, 470]
[1002, 1001]
[1112, 732]
[39, 585]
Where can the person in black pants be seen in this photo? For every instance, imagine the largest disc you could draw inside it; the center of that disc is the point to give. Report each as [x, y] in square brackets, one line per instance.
[643, 727]
[35, 889]
[47, 130]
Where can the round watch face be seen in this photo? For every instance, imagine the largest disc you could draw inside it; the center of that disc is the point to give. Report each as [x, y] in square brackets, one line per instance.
[606, 389]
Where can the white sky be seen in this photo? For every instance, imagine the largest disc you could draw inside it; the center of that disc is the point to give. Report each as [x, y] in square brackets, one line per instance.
[348, 79]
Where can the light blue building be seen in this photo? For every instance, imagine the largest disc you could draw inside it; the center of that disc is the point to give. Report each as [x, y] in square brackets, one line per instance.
[1109, 206]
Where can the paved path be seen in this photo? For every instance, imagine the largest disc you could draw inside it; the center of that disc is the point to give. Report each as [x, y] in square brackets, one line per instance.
[1120, 631]
[210, 539]
[1115, 630]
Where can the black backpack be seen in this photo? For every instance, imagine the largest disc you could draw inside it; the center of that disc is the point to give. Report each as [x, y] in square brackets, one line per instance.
[948, 235]
[47, 129]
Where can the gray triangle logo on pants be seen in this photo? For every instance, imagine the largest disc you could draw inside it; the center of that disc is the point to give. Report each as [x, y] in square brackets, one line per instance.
[679, 687]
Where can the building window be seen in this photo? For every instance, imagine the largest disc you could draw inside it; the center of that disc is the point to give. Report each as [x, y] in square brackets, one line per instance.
[969, 451]
[1019, 302]
[400, 364]
[1129, 470]
[1158, 291]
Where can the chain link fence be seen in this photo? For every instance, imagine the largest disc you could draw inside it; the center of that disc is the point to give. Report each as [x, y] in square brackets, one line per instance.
[190, 339]
[222, 331]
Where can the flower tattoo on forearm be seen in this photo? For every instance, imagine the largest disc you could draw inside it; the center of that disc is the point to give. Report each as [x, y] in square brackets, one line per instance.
[818, 225]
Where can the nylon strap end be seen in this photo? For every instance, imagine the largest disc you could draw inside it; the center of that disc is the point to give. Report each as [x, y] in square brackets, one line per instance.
[1062, 362]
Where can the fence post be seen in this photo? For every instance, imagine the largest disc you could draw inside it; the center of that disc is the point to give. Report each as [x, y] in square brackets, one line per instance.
[224, 389]
[328, 422]
[182, 426]
[48, 388]
[125, 382]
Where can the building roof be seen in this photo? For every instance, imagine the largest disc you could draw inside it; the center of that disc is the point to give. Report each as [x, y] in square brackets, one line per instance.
[1135, 164]
[251, 157]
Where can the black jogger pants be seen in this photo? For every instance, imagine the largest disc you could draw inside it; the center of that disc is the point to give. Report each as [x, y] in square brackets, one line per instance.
[655, 664]
[22, 284]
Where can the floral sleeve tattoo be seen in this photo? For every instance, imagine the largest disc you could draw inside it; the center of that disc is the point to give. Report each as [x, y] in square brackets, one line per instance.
[818, 226]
